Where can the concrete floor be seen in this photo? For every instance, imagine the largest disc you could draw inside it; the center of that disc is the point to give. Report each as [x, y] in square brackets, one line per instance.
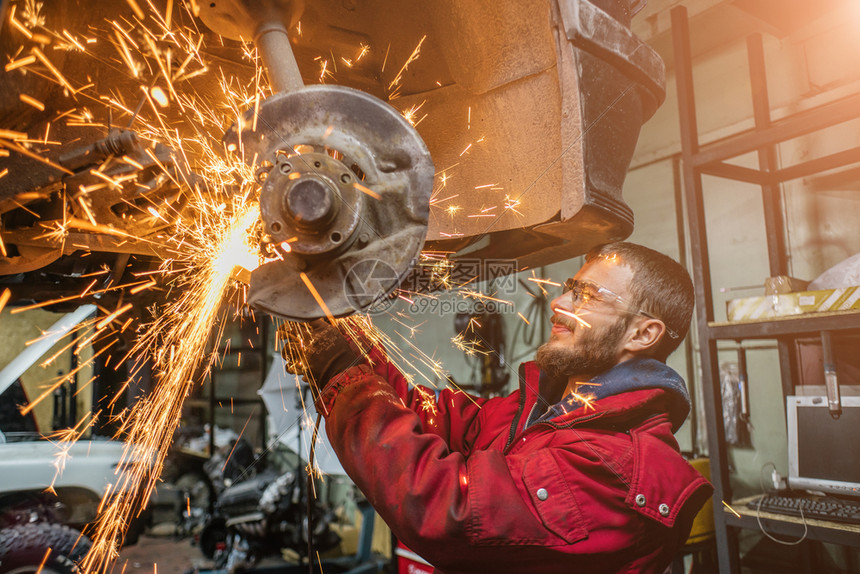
[159, 552]
[162, 555]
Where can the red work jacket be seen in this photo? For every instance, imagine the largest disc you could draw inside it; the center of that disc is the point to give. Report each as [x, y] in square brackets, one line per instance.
[463, 484]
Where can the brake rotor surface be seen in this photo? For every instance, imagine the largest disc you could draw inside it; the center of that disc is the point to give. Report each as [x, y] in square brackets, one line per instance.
[347, 180]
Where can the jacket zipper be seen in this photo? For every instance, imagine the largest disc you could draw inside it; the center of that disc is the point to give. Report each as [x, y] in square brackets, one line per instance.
[522, 375]
[556, 426]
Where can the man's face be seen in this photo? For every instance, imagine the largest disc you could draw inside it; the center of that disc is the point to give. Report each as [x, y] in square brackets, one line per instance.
[587, 337]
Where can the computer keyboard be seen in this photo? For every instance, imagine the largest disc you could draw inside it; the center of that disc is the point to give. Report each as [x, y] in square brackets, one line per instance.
[814, 507]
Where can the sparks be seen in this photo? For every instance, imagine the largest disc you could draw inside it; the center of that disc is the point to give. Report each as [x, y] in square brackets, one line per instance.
[20, 63]
[159, 96]
[587, 401]
[428, 401]
[324, 71]
[4, 298]
[512, 204]
[469, 346]
[544, 281]
[410, 114]
[107, 320]
[316, 294]
[732, 510]
[364, 50]
[573, 316]
[31, 101]
[182, 333]
[414, 56]
[366, 190]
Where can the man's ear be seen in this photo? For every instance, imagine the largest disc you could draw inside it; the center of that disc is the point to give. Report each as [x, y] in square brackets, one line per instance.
[644, 335]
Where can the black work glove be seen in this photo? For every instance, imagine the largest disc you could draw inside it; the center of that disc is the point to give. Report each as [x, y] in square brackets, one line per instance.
[317, 350]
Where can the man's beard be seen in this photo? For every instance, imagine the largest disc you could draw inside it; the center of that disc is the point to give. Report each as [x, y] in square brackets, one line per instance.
[594, 353]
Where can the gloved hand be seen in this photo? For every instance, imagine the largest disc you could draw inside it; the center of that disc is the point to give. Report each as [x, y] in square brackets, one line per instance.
[316, 350]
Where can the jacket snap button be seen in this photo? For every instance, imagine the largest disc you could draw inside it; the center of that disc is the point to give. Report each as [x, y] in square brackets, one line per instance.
[542, 494]
[640, 500]
[664, 509]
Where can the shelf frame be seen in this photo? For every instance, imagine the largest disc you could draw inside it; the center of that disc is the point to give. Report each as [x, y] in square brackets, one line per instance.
[712, 159]
[790, 326]
[791, 527]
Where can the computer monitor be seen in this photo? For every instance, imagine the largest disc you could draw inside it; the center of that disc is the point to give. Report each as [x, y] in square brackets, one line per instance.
[823, 452]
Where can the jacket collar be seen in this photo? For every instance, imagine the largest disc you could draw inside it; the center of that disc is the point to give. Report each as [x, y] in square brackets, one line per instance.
[604, 394]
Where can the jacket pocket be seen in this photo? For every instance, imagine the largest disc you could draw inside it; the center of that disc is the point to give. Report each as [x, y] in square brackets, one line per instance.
[553, 499]
[664, 484]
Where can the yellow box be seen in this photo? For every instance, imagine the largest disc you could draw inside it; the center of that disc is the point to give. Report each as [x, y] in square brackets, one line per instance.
[703, 524]
[784, 304]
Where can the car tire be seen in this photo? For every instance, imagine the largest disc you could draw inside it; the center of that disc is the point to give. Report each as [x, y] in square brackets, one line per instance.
[23, 549]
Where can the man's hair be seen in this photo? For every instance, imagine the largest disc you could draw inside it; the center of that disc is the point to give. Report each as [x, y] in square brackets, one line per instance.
[660, 286]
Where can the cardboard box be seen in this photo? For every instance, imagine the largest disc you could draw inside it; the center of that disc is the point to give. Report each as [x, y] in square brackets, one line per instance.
[785, 304]
[784, 284]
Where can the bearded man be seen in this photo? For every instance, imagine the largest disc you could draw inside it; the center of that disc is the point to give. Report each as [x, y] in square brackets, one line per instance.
[577, 471]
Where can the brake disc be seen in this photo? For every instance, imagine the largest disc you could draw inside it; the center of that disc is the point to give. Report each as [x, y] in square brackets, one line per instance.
[346, 184]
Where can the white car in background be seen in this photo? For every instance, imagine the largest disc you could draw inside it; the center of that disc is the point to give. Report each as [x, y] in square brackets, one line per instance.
[42, 508]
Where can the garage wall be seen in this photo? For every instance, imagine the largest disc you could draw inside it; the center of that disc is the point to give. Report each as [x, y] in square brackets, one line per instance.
[816, 61]
[16, 331]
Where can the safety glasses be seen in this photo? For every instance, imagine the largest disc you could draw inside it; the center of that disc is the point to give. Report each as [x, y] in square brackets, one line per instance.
[583, 292]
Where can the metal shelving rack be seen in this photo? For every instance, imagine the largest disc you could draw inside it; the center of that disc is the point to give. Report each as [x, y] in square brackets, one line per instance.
[711, 160]
[211, 396]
